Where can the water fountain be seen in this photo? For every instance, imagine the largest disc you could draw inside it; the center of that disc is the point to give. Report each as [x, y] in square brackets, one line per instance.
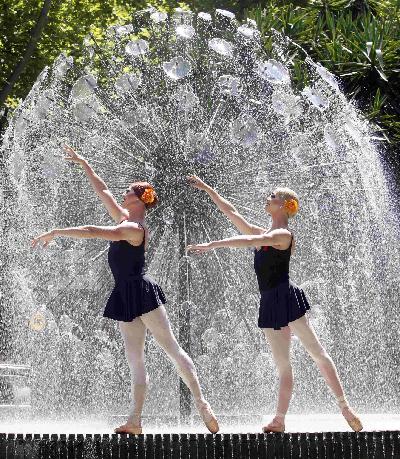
[158, 99]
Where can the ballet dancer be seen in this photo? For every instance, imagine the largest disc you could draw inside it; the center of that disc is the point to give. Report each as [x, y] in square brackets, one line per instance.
[283, 306]
[136, 301]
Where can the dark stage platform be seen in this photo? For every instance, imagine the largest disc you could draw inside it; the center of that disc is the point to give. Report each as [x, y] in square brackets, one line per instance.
[362, 445]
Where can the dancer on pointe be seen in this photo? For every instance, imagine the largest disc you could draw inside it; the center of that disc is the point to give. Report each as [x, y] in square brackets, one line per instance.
[136, 301]
[283, 305]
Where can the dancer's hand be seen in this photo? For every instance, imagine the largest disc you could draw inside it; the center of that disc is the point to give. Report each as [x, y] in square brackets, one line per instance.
[72, 155]
[199, 248]
[196, 182]
[45, 238]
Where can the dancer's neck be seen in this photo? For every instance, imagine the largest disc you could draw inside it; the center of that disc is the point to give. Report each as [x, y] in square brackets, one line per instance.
[279, 221]
[136, 216]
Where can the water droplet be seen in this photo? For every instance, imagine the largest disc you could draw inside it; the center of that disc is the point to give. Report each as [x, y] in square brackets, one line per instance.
[21, 126]
[221, 46]
[137, 47]
[186, 98]
[84, 87]
[127, 82]
[44, 104]
[182, 16]
[352, 130]
[124, 30]
[248, 32]
[158, 16]
[244, 131]
[62, 64]
[185, 31]
[177, 68]
[229, 85]
[286, 105]
[221, 320]
[273, 71]
[205, 16]
[331, 137]
[316, 98]
[225, 13]
[327, 76]
[210, 339]
[149, 170]
[168, 216]
[201, 149]
[86, 110]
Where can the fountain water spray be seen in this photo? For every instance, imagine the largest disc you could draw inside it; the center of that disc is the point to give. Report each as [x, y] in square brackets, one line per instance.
[159, 99]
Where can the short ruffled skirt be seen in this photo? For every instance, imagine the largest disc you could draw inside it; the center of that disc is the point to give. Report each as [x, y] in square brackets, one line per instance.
[281, 304]
[133, 297]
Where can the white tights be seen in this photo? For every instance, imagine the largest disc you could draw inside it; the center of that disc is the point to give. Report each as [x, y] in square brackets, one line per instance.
[134, 335]
[279, 341]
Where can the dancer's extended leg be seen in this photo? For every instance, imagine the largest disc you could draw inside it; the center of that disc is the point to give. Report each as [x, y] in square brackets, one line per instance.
[134, 335]
[305, 332]
[158, 324]
[279, 341]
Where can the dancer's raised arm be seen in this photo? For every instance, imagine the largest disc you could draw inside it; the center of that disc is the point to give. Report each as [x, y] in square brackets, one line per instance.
[226, 207]
[101, 189]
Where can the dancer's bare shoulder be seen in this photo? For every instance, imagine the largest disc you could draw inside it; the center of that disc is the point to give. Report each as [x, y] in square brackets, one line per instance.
[285, 237]
[140, 232]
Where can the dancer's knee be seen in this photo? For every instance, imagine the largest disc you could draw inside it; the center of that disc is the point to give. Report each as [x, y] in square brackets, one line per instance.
[137, 366]
[134, 357]
[183, 362]
[284, 368]
[320, 355]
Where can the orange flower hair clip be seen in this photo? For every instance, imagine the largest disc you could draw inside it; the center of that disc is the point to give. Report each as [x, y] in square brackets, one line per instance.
[292, 206]
[147, 196]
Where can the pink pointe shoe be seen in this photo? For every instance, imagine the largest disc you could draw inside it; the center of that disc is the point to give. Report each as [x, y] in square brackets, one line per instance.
[275, 425]
[352, 419]
[208, 416]
[129, 429]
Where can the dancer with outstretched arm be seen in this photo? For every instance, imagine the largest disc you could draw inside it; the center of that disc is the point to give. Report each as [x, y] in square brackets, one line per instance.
[283, 305]
[136, 301]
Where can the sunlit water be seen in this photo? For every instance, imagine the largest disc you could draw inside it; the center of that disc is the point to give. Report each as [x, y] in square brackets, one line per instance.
[294, 423]
[159, 99]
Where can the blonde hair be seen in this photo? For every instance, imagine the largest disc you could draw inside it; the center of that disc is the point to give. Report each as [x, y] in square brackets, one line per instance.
[288, 195]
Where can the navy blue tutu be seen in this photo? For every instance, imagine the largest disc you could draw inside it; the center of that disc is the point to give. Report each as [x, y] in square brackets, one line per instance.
[281, 304]
[133, 297]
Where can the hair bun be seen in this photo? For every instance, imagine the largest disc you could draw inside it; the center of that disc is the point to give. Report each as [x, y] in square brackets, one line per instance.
[291, 206]
[147, 196]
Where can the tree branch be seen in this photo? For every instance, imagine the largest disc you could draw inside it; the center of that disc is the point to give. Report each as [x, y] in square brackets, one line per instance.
[35, 36]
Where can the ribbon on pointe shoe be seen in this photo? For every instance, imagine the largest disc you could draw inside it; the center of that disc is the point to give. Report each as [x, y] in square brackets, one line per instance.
[275, 425]
[208, 416]
[354, 422]
[129, 429]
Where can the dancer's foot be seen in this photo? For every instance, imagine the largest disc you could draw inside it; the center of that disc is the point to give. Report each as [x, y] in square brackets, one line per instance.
[208, 416]
[276, 425]
[352, 419]
[129, 429]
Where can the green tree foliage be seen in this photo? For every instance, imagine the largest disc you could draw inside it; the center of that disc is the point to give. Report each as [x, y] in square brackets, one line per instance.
[357, 40]
[69, 22]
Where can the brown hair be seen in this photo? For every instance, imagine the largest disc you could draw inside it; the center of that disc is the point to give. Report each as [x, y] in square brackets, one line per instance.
[140, 187]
